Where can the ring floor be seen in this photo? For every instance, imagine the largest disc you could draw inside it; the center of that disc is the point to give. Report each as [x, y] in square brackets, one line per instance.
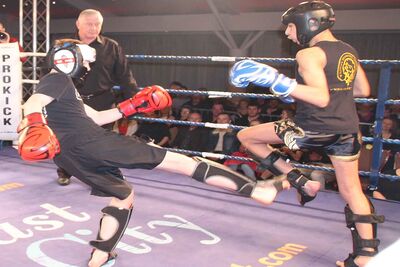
[176, 222]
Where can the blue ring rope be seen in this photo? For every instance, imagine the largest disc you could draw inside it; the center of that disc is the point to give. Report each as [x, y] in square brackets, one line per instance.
[252, 95]
[297, 165]
[234, 59]
[234, 127]
[386, 65]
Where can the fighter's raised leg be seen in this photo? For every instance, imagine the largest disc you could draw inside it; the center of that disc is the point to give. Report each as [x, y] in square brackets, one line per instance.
[255, 139]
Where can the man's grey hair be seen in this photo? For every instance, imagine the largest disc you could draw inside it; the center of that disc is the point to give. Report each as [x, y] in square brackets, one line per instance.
[88, 12]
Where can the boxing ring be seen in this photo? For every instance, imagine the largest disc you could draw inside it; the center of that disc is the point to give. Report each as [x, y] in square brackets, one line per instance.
[178, 221]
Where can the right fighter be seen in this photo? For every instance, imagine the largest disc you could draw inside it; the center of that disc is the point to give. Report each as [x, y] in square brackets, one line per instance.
[57, 125]
[328, 77]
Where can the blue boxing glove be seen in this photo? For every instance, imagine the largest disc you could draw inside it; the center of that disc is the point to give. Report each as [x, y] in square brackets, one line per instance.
[287, 99]
[249, 71]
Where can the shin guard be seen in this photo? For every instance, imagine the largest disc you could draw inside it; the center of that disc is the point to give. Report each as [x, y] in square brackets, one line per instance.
[298, 180]
[207, 168]
[359, 244]
[268, 163]
[122, 216]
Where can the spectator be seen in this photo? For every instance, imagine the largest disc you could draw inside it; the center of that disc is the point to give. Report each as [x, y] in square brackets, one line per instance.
[178, 99]
[253, 113]
[255, 122]
[111, 68]
[198, 101]
[222, 140]
[248, 168]
[389, 128]
[216, 109]
[166, 114]
[389, 131]
[191, 137]
[155, 131]
[287, 113]
[366, 116]
[241, 110]
[394, 111]
[125, 126]
[184, 113]
[273, 111]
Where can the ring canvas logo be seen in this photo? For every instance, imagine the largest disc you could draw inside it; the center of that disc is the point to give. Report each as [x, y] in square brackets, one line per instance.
[137, 240]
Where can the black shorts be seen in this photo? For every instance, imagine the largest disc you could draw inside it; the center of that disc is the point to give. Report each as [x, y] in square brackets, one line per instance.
[97, 162]
[343, 146]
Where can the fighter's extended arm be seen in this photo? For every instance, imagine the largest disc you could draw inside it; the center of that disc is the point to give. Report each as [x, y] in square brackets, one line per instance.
[149, 99]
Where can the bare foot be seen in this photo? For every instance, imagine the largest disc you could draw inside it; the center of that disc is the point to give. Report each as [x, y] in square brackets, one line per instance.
[98, 258]
[312, 188]
[340, 263]
[360, 261]
[265, 191]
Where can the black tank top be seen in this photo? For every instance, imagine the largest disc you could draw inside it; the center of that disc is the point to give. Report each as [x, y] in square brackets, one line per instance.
[340, 116]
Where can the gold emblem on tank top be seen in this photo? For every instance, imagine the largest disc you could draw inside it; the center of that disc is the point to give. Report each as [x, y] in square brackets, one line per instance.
[347, 68]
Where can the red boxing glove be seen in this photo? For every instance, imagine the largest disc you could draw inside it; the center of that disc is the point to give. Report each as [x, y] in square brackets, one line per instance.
[36, 140]
[149, 99]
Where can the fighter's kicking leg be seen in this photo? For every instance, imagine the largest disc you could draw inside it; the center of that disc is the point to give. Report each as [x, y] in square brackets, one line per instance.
[256, 138]
[115, 219]
[216, 174]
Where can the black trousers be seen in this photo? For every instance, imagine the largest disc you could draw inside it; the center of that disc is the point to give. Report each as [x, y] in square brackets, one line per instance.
[97, 162]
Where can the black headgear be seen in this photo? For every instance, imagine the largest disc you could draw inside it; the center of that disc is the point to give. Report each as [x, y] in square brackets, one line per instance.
[68, 58]
[310, 18]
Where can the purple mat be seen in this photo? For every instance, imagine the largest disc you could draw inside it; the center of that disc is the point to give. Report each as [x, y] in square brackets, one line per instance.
[176, 222]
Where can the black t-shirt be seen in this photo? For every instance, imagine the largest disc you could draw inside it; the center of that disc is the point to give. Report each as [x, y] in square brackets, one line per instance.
[66, 115]
[340, 116]
[154, 130]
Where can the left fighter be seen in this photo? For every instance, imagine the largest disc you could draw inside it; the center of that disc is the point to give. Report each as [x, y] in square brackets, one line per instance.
[59, 126]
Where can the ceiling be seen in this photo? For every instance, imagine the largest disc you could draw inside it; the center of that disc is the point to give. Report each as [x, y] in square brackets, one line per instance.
[61, 9]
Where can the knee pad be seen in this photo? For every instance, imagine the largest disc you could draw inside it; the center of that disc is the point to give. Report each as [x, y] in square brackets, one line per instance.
[358, 242]
[268, 163]
[122, 216]
[207, 168]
